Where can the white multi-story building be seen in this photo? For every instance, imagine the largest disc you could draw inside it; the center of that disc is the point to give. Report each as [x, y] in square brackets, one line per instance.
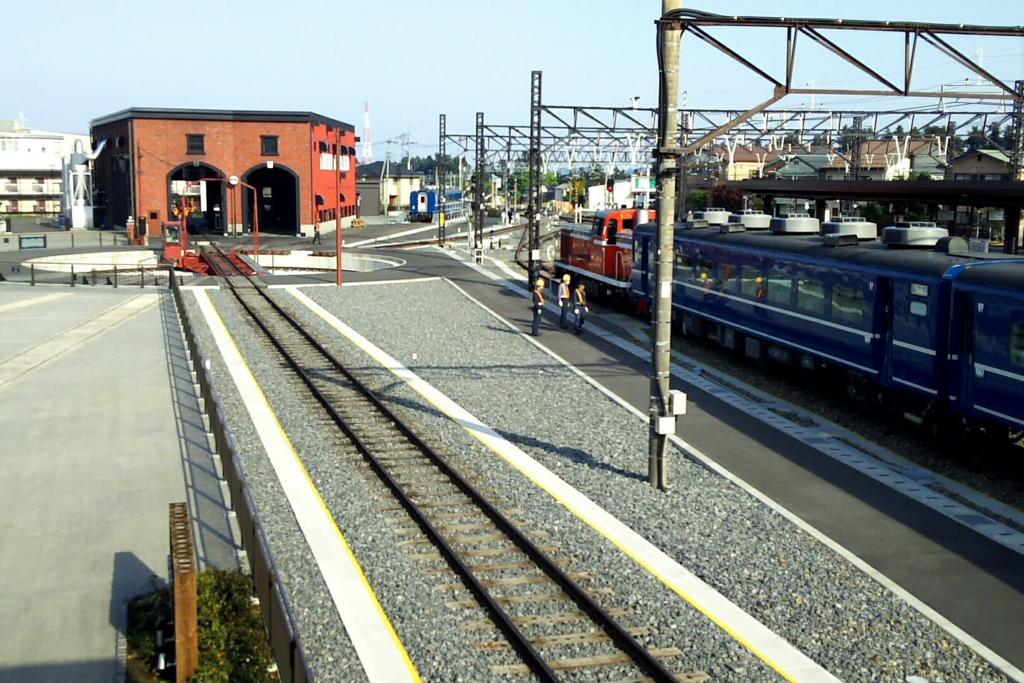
[30, 167]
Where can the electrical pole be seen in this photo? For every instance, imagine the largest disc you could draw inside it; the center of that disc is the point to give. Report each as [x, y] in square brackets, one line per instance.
[533, 210]
[1011, 225]
[478, 207]
[662, 418]
[442, 181]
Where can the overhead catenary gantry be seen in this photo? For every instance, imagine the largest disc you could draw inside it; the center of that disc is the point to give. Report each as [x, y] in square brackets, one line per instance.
[576, 136]
[677, 22]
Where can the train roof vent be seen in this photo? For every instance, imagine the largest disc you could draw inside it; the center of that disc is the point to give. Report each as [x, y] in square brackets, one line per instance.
[713, 215]
[751, 219]
[729, 228]
[953, 245]
[850, 225]
[912, 235]
[794, 224]
[840, 239]
[693, 224]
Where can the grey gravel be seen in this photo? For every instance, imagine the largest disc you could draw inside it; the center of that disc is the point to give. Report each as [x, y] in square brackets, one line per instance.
[834, 613]
[321, 632]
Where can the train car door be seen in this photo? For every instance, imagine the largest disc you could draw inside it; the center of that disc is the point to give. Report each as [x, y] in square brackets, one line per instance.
[961, 351]
[422, 203]
[884, 314]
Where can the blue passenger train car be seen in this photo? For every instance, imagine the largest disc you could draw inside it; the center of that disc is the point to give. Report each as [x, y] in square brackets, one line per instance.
[423, 205]
[936, 330]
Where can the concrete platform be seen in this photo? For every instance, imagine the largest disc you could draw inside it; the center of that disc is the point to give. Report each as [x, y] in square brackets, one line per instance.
[93, 447]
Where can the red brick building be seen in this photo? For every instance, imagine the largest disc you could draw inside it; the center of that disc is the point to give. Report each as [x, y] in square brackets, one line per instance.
[155, 161]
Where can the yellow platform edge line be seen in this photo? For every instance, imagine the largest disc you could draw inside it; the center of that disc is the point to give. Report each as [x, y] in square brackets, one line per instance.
[341, 536]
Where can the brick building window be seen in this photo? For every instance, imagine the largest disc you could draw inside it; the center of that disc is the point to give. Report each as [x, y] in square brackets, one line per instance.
[268, 145]
[195, 143]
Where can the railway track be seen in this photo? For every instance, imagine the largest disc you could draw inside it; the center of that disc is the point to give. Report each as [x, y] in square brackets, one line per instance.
[556, 627]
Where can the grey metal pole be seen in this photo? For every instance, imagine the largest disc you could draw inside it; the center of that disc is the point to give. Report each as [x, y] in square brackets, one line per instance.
[478, 207]
[533, 209]
[442, 180]
[662, 423]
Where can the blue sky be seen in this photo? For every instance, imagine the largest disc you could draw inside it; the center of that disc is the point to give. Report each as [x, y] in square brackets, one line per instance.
[74, 61]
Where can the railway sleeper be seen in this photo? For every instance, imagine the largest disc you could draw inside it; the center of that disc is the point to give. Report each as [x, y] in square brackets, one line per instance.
[563, 639]
[552, 619]
[592, 662]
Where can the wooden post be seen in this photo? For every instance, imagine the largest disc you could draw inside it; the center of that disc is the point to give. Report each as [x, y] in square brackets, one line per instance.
[183, 580]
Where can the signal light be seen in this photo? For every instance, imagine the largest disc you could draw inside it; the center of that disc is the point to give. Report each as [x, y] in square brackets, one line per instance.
[610, 185]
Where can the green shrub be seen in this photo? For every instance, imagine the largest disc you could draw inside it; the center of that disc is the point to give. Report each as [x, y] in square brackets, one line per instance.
[233, 644]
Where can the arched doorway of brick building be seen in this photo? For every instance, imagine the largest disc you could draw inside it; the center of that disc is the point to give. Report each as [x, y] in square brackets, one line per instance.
[203, 188]
[277, 190]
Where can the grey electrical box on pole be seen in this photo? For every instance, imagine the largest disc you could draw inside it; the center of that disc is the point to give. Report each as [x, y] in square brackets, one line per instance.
[662, 415]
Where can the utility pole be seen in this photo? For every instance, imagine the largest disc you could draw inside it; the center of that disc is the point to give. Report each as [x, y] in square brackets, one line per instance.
[662, 414]
[442, 181]
[533, 209]
[1011, 225]
[478, 207]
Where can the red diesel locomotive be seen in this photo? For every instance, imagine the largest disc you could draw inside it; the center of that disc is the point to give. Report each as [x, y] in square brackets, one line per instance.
[601, 254]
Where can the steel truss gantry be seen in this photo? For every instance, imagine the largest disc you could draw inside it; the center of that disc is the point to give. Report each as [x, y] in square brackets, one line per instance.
[677, 22]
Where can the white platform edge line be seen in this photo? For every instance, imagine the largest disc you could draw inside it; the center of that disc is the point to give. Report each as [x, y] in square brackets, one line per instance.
[760, 640]
[382, 656]
[955, 631]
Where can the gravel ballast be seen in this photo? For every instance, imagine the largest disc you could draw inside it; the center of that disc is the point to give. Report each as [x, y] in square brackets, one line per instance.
[805, 592]
[322, 634]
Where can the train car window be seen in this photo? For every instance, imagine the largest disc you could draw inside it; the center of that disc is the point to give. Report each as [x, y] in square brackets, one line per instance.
[704, 273]
[847, 304]
[727, 278]
[628, 223]
[684, 266]
[917, 289]
[613, 229]
[780, 287]
[810, 296]
[918, 308]
[598, 227]
[752, 283]
[1017, 344]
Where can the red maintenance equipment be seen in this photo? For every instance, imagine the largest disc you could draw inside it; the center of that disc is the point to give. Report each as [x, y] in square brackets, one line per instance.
[601, 254]
[178, 251]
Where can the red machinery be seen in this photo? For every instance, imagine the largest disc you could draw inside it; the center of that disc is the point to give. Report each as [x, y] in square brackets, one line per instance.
[601, 253]
[177, 251]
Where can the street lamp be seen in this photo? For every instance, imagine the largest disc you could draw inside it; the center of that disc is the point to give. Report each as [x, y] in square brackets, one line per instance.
[235, 181]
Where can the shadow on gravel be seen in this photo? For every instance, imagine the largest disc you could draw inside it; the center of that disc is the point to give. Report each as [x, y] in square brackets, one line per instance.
[573, 454]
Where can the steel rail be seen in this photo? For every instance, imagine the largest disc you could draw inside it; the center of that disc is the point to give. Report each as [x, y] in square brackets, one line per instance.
[619, 635]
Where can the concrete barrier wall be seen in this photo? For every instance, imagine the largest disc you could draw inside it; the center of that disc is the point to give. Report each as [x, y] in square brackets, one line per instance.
[61, 239]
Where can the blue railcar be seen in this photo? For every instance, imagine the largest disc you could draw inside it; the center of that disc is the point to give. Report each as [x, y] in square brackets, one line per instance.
[423, 205]
[986, 352]
[895, 319]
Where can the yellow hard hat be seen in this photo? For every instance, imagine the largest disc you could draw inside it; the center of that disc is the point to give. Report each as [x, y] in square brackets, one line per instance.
[540, 282]
[566, 277]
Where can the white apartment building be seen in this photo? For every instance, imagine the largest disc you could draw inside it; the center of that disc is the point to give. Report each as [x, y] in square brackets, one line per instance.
[30, 167]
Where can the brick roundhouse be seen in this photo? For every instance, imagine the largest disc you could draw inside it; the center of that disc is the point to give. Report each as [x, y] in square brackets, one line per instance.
[156, 161]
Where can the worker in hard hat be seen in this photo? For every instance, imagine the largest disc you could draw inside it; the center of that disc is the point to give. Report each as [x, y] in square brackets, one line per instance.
[538, 306]
[580, 305]
[564, 301]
